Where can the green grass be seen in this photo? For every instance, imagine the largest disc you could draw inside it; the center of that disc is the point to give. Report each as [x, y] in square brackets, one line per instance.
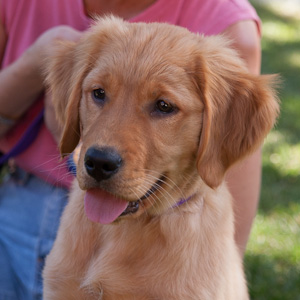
[273, 255]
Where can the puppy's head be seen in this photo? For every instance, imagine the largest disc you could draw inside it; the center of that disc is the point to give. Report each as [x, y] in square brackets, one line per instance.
[154, 104]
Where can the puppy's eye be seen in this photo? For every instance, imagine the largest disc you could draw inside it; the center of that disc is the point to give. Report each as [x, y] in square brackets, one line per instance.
[98, 95]
[164, 106]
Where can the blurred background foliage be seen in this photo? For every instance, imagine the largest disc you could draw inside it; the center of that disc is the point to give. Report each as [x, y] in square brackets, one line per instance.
[273, 256]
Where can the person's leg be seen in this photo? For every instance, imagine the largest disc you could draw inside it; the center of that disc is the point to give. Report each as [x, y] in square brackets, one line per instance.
[244, 180]
[7, 278]
[29, 215]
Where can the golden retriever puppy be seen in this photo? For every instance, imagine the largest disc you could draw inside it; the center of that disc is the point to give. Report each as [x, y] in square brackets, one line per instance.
[161, 114]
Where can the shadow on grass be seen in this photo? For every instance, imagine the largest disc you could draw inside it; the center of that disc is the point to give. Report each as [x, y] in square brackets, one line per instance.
[272, 278]
[277, 58]
[279, 192]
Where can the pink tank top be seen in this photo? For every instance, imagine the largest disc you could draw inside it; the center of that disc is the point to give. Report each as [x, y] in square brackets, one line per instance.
[25, 20]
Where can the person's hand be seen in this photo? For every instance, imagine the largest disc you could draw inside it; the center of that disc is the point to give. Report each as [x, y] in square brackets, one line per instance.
[27, 74]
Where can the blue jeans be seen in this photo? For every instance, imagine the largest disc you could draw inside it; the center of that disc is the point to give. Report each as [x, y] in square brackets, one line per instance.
[30, 211]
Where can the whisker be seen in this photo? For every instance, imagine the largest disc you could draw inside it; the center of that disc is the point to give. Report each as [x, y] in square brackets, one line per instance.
[153, 179]
[171, 186]
[164, 192]
[56, 158]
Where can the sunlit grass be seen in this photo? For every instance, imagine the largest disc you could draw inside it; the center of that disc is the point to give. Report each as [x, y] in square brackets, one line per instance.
[288, 8]
[283, 157]
[285, 224]
[294, 58]
[279, 32]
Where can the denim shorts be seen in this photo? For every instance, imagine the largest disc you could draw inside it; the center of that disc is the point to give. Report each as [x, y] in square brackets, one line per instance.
[30, 211]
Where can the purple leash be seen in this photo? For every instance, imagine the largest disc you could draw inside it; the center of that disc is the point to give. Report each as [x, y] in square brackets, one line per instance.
[26, 140]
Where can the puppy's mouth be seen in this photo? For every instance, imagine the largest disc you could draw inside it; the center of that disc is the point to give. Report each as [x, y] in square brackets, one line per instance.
[103, 207]
[133, 206]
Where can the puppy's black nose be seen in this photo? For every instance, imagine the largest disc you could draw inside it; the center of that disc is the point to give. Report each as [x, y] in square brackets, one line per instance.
[102, 163]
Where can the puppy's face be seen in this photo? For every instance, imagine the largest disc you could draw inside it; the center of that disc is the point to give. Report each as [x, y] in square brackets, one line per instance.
[140, 126]
[152, 105]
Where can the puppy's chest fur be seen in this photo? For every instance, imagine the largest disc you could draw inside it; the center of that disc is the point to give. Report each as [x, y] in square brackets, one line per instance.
[164, 257]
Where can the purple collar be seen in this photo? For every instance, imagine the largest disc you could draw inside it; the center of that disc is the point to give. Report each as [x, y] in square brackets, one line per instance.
[182, 201]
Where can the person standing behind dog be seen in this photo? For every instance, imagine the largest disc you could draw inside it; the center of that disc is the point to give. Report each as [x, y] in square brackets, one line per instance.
[33, 195]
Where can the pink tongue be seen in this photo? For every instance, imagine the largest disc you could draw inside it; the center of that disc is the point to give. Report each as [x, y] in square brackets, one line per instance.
[102, 207]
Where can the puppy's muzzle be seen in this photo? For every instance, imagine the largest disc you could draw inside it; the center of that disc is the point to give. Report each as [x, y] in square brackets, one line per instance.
[102, 163]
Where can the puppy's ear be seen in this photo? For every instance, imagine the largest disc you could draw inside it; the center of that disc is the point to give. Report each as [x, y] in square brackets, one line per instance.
[64, 78]
[66, 70]
[239, 109]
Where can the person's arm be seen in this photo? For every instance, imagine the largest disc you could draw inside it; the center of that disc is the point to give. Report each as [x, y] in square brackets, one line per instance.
[2, 41]
[20, 84]
[6, 117]
[244, 179]
[22, 81]
[246, 40]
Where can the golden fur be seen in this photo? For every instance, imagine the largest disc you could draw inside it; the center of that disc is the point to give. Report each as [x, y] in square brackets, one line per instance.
[222, 114]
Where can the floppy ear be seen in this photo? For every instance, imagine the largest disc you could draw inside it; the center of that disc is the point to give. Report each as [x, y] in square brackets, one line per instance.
[64, 79]
[239, 110]
[66, 70]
